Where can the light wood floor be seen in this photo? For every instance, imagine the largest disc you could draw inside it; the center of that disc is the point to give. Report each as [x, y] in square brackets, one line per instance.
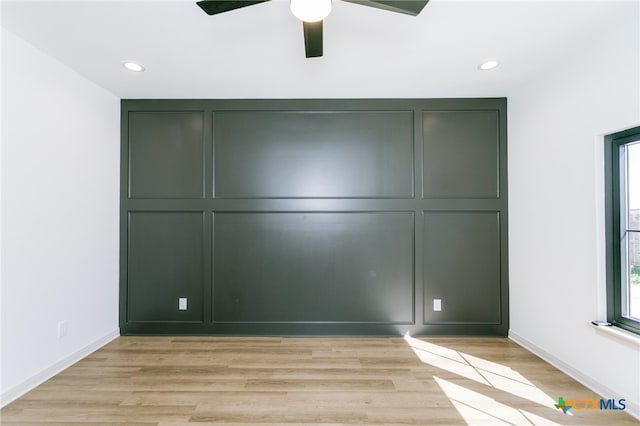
[172, 381]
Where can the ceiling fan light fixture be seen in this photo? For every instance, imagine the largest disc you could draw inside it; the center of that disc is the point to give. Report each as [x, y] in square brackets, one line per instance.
[489, 65]
[310, 10]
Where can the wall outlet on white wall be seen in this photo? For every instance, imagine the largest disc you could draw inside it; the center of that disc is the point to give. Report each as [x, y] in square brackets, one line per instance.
[63, 329]
[437, 305]
[182, 303]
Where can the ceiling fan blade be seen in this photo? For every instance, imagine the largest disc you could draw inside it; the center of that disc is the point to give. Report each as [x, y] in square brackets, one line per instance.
[409, 7]
[213, 7]
[313, 39]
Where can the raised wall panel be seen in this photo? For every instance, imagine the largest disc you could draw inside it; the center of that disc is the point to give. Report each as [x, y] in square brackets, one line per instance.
[460, 154]
[313, 267]
[165, 263]
[461, 267]
[314, 216]
[166, 154]
[313, 154]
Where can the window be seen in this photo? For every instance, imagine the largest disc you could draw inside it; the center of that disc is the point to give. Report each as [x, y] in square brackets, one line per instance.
[622, 156]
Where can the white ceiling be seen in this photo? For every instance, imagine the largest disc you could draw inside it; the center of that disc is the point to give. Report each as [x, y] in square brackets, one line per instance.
[258, 51]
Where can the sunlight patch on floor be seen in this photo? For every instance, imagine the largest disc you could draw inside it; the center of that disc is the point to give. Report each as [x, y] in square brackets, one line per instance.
[444, 358]
[478, 409]
[479, 370]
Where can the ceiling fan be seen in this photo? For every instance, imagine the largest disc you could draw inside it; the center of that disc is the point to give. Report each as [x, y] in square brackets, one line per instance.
[312, 12]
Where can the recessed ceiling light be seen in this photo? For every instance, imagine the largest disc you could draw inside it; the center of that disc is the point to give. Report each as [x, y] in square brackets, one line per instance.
[489, 65]
[132, 66]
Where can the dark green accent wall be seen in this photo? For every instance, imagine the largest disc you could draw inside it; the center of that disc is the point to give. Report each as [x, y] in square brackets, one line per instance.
[314, 217]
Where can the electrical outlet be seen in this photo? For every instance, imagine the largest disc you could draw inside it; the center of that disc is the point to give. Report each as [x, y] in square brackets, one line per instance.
[437, 305]
[182, 303]
[63, 328]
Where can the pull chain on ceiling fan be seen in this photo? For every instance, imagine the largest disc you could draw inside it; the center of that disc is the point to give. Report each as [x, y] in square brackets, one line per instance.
[312, 12]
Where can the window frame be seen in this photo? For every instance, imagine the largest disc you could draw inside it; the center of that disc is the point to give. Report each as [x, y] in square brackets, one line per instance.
[614, 245]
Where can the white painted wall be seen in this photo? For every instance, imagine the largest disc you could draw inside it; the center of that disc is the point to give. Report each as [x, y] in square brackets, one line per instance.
[60, 174]
[556, 227]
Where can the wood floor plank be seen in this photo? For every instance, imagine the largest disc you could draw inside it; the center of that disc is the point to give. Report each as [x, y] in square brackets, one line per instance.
[180, 381]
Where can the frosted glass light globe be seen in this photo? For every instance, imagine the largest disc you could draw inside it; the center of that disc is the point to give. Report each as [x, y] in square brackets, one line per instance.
[310, 10]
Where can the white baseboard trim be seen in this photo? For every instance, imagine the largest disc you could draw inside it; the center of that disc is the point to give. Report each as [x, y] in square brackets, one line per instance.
[20, 389]
[633, 408]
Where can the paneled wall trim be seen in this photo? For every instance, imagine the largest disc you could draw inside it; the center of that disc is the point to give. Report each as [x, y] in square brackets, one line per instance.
[314, 217]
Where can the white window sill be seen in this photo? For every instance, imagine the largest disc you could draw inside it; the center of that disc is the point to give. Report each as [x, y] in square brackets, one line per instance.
[619, 333]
